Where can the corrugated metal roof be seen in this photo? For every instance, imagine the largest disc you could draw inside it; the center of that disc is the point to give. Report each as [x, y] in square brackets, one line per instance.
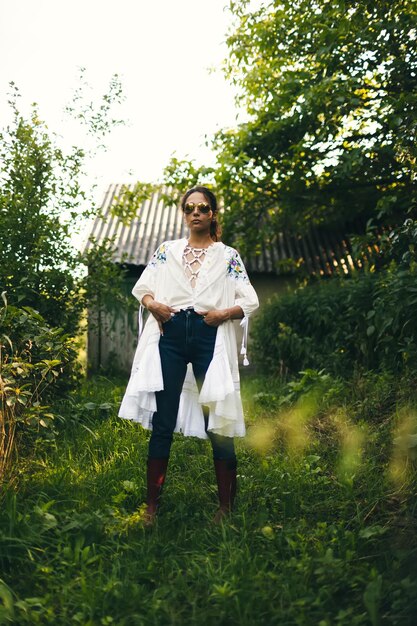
[135, 243]
[319, 252]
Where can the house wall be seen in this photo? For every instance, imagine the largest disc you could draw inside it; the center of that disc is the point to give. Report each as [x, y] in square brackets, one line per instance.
[113, 333]
[267, 285]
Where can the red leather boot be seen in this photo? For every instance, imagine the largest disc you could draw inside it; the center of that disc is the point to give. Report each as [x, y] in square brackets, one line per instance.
[226, 486]
[155, 476]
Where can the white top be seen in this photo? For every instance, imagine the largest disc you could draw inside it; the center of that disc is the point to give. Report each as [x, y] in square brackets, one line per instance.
[222, 283]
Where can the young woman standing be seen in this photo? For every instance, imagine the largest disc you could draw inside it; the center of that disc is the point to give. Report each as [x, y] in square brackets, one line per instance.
[185, 375]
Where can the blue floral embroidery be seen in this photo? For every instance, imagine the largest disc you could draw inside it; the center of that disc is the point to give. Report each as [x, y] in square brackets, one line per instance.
[160, 256]
[235, 267]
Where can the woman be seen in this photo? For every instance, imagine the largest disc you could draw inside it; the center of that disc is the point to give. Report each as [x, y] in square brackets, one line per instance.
[185, 375]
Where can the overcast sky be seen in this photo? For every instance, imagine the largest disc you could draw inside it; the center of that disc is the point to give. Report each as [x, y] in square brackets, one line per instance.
[163, 51]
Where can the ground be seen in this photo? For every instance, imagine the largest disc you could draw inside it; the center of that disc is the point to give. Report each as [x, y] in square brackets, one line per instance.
[314, 539]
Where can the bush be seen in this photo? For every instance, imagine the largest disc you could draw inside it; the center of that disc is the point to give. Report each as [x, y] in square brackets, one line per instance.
[341, 325]
[43, 206]
[33, 357]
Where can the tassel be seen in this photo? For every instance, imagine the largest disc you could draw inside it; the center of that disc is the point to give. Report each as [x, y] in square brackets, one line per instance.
[140, 320]
[244, 323]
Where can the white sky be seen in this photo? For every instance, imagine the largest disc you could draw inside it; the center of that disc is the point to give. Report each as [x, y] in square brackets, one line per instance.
[162, 50]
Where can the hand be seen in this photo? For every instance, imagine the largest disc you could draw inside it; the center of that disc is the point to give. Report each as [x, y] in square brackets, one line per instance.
[161, 312]
[215, 317]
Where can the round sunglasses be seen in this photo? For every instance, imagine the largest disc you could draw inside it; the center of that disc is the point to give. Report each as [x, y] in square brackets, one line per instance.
[202, 207]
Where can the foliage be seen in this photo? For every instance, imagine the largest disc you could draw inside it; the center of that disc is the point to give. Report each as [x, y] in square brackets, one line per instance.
[36, 257]
[31, 367]
[329, 135]
[104, 280]
[368, 321]
[329, 88]
[178, 176]
[401, 246]
[42, 205]
[313, 540]
[97, 119]
[126, 206]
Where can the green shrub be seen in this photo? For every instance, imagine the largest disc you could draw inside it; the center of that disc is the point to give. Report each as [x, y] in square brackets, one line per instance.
[341, 325]
[42, 207]
[33, 357]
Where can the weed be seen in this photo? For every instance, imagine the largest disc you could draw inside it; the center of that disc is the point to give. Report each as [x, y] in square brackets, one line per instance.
[323, 533]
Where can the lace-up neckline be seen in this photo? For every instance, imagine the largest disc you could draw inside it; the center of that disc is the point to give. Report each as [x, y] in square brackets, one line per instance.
[193, 259]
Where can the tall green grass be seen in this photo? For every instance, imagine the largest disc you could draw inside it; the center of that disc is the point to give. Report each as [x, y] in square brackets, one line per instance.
[323, 532]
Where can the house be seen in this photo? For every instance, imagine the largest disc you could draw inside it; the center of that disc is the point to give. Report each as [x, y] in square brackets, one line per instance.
[112, 335]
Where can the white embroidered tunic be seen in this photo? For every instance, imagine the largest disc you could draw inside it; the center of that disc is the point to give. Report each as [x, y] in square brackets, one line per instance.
[222, 283]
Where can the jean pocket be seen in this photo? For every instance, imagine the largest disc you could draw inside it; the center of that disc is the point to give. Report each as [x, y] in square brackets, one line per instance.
[208, 325]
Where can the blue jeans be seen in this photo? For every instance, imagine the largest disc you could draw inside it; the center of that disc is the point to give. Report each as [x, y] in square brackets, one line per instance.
[186, 339]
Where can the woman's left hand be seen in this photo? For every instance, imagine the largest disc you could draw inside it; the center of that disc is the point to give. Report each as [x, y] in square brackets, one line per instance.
[215, 317]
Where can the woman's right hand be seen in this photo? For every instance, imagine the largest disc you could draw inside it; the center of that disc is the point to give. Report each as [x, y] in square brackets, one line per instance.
[161, 312]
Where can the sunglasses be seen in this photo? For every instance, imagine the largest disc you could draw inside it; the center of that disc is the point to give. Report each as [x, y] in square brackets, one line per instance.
[202, 207]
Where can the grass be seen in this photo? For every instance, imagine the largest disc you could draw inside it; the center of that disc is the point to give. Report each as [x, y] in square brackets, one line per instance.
[323, 533]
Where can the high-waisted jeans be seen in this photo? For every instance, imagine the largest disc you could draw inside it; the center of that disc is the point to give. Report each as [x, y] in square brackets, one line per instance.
[186, 339]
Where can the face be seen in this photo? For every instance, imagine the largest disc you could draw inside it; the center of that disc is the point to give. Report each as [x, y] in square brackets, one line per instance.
[196, 221]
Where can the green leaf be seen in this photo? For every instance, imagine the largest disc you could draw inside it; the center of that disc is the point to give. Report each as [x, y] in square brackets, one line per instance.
[372, 599]
[7, 603]
[372, 531]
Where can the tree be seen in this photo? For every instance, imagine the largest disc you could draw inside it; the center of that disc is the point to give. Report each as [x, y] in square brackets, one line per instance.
[41, 202]
[330, 92]
[42, 289]
[329, 88]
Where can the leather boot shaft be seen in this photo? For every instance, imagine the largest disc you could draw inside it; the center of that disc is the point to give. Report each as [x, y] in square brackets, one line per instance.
[156, 473]
[226, 482]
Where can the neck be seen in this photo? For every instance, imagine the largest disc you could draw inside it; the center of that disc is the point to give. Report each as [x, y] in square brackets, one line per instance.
[197, 240]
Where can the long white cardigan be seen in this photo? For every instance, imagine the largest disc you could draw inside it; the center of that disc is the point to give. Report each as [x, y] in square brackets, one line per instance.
[222, 283]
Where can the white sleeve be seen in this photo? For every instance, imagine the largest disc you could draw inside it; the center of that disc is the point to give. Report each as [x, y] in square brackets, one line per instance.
[245, 294]
[147, 281]
[246, 298]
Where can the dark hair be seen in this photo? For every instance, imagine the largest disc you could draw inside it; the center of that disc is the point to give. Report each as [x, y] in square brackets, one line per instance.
[215, 230]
